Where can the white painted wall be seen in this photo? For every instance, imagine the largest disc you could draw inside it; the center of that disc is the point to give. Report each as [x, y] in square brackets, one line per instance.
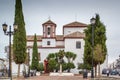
[31, 43]
[52, 42]
[60, 43]
[70, 45]
[44, 52]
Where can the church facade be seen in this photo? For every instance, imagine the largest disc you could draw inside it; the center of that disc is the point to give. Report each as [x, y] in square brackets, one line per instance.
[49, 42]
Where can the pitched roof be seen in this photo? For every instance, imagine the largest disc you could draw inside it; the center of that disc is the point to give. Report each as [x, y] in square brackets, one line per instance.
[59, 37]
[39, 38]
[75, 24]
[31, 37]
[76, 35]
[49, 22]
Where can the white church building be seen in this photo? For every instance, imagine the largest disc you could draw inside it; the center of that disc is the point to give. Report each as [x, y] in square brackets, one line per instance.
[50, 42]
[71, 40]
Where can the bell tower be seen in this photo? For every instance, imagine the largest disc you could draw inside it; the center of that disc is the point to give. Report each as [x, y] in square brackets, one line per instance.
[49, 29]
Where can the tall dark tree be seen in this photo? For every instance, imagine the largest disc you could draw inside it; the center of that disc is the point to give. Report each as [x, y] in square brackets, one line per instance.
[35, 60]
[99, 38]
[19, 41]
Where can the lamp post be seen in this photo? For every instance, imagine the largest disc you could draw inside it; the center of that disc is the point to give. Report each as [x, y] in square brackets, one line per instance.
[9, 33]
[28, 62]
[92, 21]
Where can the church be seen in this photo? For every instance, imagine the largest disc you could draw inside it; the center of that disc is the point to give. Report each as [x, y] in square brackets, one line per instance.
[71, 40]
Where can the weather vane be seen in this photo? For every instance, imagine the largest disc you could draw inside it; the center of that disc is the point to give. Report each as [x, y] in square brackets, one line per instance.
[75, 17]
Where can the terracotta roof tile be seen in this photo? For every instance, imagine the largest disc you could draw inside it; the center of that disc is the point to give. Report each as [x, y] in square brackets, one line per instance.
[75, 24]
[31, 37]
[59, 37]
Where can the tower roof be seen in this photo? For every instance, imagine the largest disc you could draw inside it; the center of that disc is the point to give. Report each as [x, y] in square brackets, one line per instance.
[49, 22]
[75, 24]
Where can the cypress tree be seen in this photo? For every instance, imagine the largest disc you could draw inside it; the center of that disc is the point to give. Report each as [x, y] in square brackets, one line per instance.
[99, 38]
[19, 39]
[35, 61]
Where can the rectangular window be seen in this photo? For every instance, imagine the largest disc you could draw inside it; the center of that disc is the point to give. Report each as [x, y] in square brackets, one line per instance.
[78, 44]
[48, 42]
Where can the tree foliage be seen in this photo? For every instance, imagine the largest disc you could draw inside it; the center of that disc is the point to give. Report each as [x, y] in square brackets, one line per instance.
[52, 65]
[51, 56]
[40, 67]
[57, 59]
[98, 53]
[61, 54]
[70, 66]
[35, 60]
[70, 57]
[99, 38]
[98, 56]
[19, 39]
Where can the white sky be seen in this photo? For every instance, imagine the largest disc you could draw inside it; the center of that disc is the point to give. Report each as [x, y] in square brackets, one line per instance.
[63, 12]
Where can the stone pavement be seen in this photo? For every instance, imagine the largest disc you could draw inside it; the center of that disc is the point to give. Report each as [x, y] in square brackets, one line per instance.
[53, 78]
[77, 77]
[65, 78]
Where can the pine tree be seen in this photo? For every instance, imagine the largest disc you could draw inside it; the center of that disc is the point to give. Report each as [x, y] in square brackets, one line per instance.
[99, 38]
[35, 60]
[19, 41]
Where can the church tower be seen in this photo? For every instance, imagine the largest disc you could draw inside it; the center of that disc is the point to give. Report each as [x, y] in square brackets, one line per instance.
[49, 34]
[49, 29]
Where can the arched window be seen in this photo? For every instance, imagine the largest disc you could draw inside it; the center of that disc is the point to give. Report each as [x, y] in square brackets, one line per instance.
[78, 44]
[48, 30]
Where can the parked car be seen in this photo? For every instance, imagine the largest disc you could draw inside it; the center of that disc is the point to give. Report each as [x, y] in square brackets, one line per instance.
[104, 71]
[114, 72]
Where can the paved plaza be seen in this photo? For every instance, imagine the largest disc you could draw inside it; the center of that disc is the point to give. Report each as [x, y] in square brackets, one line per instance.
[64, 78]
[53, 78]
[76, 77]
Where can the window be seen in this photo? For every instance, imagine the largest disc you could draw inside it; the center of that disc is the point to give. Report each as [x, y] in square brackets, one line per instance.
[78, 44]
[48, 30]
[48, 42]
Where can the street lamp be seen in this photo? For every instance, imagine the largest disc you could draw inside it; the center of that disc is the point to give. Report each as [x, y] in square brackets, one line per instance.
[28, 61]
[92, 21]
[9, 33]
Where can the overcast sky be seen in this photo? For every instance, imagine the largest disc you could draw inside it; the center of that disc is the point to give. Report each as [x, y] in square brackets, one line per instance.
[63, 12]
